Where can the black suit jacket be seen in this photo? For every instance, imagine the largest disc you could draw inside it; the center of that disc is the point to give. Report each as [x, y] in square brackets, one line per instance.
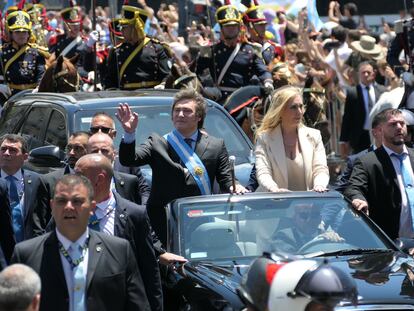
[353, 120]
[129, 187]
[113, 281]
[7, 241]
[132, 223]
[34, 198]
[374, 180]
[144, 188]
[343, 180]
[169, 179]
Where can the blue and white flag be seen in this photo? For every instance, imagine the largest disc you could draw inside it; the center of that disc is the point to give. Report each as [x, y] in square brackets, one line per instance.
[313, 15]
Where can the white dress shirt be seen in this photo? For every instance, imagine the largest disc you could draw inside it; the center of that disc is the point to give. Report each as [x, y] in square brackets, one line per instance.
[406, 222]
[67, 269]
[105, 211]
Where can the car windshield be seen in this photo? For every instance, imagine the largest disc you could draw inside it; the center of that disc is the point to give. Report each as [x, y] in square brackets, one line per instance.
[158, 119]
[218, 230]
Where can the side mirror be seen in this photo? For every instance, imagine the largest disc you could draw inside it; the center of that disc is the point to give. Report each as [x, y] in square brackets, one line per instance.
[46, 156]
[404, 244]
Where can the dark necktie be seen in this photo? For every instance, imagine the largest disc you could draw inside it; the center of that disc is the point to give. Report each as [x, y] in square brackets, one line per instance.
[94, 222]
[189, 142]
[370, 103]
[17, 214]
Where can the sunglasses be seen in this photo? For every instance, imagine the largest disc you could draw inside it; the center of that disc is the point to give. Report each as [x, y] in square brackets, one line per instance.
[103, 129]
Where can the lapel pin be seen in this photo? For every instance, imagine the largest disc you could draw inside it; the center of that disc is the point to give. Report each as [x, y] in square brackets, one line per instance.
[98, 249]
[29, 181]
[122, 183]
[122, 215]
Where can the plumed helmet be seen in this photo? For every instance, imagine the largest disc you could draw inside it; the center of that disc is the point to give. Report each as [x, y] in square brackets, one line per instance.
[72, 14]
[131, 15]
[18, 21]
[228, 14]
[300, 282]
[254, 14]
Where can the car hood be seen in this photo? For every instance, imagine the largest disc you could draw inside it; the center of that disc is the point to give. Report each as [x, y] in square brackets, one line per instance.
[381, 278]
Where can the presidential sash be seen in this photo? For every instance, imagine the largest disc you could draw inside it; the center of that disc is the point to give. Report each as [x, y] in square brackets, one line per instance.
[191, 160]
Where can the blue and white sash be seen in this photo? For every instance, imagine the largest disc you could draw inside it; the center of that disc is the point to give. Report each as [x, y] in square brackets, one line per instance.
[191, 160]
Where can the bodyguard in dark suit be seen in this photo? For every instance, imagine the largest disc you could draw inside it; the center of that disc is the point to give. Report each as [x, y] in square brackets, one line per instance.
[117, 216]
[103, 275]
[377, 184]
[342, 181]
[171, 178]
[26, 192]
[7, 240]
[103, 123]
[359, 102]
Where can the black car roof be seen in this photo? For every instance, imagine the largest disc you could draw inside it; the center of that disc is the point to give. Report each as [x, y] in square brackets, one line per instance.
[88, 100]
[260, 195]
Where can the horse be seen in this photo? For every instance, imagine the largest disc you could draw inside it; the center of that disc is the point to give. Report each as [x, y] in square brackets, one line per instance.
[61, 75]
[182, 77]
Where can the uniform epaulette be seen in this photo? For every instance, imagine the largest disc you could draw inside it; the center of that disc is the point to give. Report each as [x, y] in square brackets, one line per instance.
[41, 49]
[257, 48]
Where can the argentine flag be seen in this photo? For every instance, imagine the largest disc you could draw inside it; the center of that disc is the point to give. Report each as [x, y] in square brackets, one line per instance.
[313, 15]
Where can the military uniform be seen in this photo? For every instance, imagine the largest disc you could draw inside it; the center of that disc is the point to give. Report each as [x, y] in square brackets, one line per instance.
[148, 68]
[246, 64]
[22, 67]
[141, 65]
[62, 41]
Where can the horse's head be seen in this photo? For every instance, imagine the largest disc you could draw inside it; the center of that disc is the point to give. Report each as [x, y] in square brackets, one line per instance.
[61, 76]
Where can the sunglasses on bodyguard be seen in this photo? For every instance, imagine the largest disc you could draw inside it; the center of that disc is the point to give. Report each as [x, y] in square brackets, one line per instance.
[103, 129]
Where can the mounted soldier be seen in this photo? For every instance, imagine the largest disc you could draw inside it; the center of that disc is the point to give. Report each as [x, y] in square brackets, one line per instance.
[23, 63]
[140, 61]
[256, 23]
[232, 62]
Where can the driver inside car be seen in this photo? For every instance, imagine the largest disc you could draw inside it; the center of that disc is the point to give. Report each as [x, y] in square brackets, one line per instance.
[306, 227]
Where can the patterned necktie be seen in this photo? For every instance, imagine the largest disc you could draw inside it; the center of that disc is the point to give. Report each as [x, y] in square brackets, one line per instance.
[407, 181]
[17, 214]
[79, 280]
[94, 222]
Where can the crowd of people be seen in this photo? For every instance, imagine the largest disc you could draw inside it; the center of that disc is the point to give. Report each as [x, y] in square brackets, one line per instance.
[95, 231]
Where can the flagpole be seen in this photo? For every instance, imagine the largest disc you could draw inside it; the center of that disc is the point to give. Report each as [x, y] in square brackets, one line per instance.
[95, 67]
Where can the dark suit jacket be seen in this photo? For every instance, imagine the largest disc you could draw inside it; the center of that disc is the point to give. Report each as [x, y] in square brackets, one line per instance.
[352, 129]
[169, 179]
[374, 180]
[34, 198]
[144, 188]
[129, 187]
[343, 180]
[7, 241]
[113, 280]
[132, 223]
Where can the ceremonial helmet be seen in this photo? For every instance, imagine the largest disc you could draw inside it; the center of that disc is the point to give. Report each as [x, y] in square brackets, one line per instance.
[115, 29]
[254, 14]
[36, 10]
[131, 15]
[300, 282]
[18, 21]
[228, 14]
[71, 15]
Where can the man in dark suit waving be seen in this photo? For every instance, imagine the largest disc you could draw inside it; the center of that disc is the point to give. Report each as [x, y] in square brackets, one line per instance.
[184, 162]
[82, 269]
[382, 180]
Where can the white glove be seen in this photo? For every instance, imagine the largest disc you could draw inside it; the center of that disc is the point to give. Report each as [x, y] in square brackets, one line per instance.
[160, 86]
[269, 88]
[5, 90]
[93, 38]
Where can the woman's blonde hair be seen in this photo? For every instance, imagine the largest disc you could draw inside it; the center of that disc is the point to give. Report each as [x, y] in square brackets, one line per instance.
[280, 99]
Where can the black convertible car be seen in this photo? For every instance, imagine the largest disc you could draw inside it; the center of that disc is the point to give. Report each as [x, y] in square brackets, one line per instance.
[220, 236]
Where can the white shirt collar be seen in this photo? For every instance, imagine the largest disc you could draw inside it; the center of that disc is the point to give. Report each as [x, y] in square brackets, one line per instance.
[18, 175]
[67, 243]
[104, 204]
[390, 152]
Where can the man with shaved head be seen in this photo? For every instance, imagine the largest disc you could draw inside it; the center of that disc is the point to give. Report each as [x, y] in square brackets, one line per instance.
[117, 216]
[127, 185]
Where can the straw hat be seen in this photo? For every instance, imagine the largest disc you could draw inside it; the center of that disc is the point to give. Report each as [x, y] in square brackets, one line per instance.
[366, 45]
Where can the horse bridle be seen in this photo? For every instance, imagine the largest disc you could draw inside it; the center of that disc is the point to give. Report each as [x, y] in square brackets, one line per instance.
[60, 76]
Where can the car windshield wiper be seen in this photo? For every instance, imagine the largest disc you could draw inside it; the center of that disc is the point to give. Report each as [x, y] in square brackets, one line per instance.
[215, 264]
[348, 251]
